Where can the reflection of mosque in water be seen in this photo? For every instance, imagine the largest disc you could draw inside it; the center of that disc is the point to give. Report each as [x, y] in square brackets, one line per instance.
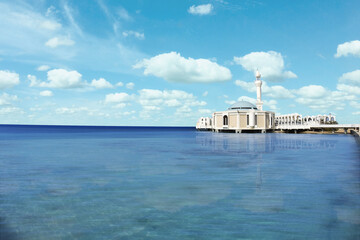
[260, 143]
[262, 177]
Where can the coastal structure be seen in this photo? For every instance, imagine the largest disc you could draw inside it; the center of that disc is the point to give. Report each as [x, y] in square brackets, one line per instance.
[298, 119]
[242, 116]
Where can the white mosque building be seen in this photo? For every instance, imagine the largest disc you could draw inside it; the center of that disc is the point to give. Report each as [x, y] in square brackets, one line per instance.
[244, 117]
[241, 117]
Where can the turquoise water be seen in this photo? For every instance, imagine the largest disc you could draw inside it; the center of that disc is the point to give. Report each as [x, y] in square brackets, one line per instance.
[176, 183]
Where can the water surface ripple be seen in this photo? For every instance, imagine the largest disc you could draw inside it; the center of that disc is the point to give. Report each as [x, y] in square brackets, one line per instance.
[176, 183]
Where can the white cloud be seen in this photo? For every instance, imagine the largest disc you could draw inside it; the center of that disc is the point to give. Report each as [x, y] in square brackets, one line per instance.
[172, 103]
[120, 105]
[21, 31]
[130, 85]
[350, 82]
[50, 11]
[351, 78]
[175, 68]
[123, 13]
[8, 79]
[24, 29]
[46, 93]
[153, 100]
[7, 99]
[119, 84]
[348, 88]
[27, 20]
[324, 100]
[205, 93]
[271, 104]
[270, 64]
[356, 113]
[276, 91]
[43, 68]
[10, 110]
[151, 108]
[50, 25]
[205, 111]
[118, 98]
[33, 80]
[312, 91]
[61, 78]
[135, 34]
[129, 113]
[348, 48]
[247, 99]
[59, 41]
[355, 104]
[230, 102]
[248, 86]
[319, 98]
[204, 9]
[183, 110]
[101, 83]
[69, 15]
[35, 109]
[72, 110]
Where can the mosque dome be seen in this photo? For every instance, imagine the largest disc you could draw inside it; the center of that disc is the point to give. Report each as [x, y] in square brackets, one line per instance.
[240, 105]
[257, 75]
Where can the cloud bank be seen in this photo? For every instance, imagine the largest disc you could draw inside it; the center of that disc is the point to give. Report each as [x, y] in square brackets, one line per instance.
[203, 9]
[174, 68]
[101, 83]
[59, 41]
[8, 79]
[61, 78]
[348, 48]
[350, 82]
[270, 64]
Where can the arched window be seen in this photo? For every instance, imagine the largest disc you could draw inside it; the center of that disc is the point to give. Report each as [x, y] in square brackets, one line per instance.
[225, 120]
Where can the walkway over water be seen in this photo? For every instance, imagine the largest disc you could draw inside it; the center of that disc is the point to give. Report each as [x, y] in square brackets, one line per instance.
[322, 127]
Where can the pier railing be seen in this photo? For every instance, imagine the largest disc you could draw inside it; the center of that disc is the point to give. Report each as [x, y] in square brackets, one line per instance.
[311, 126]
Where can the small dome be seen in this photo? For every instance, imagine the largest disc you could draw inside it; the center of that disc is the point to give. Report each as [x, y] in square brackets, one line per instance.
[257, 75]
[242, 105]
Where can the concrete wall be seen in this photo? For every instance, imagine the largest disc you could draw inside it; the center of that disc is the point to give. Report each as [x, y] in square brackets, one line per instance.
[243, 121]
[263, 120]
[232, 120]
[267, 120]
[218, 121]
[260, 121]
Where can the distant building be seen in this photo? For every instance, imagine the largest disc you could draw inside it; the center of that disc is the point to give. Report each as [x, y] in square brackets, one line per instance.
[297, 119]
[241, 117]
[244, 116]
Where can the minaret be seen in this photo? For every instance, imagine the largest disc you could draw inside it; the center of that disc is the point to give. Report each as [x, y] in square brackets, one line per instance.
[258, 84]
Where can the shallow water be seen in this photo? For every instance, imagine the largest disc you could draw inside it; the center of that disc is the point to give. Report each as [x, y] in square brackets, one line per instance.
[176, 183]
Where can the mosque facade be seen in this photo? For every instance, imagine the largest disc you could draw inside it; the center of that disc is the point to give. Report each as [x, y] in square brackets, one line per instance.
[240, 117]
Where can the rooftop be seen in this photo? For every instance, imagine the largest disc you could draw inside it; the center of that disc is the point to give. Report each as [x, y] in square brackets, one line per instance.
[242, 105]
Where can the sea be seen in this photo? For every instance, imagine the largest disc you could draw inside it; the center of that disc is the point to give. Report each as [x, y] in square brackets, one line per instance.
[85, 182]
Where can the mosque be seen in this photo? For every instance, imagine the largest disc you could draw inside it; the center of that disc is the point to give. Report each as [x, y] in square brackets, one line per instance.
[245, 117]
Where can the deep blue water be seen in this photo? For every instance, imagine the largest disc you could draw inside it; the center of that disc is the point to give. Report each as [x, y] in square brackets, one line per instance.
[176, 183]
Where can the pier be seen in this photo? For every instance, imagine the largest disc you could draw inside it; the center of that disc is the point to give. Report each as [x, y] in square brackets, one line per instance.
[318, 127]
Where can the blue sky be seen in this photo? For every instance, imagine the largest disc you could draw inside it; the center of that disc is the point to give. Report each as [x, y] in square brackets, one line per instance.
[170, 62]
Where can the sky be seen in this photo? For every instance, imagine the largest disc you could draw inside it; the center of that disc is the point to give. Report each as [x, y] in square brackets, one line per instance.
[167, 63]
